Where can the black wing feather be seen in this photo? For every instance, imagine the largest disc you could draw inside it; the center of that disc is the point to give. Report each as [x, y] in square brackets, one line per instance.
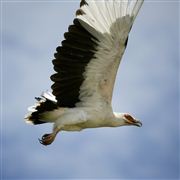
[70, 61]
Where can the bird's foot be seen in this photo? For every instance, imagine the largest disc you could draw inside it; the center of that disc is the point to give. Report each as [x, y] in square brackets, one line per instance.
[47, 139]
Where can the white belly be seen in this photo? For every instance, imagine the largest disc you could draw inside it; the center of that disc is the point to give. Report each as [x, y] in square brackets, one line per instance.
[84, 125]
[77, 119]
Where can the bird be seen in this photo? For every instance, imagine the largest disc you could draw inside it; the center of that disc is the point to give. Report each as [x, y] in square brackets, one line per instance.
[86, 65]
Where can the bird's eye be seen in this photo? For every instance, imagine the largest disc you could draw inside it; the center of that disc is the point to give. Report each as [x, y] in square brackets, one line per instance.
[129, 117]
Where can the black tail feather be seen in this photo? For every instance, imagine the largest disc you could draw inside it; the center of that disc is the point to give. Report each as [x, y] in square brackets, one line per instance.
[44, 104]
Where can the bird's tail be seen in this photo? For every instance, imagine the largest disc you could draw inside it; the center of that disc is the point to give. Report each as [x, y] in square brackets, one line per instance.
[99, 16]
[38, 113]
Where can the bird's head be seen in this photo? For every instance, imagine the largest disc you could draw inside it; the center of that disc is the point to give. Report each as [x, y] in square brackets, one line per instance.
[125, 119]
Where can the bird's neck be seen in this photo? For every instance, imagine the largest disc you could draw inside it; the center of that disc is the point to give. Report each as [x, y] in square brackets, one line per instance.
[117, 120]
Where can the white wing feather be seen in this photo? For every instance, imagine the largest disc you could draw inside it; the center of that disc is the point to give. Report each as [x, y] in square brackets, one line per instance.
[110, 22]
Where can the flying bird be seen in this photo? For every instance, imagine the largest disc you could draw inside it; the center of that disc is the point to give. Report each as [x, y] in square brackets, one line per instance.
[86, 65]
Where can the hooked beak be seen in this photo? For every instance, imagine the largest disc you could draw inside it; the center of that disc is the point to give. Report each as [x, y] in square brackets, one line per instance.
[134, 122]
[137, 123]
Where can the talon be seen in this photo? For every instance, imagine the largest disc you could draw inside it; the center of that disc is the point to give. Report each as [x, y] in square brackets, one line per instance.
[45, 136]
[40, 141]
[47, 139]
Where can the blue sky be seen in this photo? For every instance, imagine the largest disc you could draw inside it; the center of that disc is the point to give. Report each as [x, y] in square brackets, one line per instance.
[146, 86]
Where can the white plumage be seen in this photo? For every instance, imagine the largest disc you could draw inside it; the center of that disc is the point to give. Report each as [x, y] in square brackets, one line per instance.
[86, 66]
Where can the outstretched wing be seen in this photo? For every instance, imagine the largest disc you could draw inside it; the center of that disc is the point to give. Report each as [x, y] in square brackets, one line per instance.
[70, 61]
[87, 61]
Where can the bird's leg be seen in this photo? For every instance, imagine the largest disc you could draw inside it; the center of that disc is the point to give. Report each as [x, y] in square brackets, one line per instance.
[47, 139]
